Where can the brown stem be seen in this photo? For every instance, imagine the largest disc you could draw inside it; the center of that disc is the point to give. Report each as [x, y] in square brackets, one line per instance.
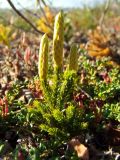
[28, 11]
[104, 12]
[23, 17]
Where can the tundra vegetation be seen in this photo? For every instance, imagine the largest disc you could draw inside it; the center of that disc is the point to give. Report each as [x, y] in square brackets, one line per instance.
[60, 100]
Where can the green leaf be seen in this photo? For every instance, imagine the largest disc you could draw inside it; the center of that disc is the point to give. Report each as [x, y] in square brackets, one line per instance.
[58, 115]
[70, 112]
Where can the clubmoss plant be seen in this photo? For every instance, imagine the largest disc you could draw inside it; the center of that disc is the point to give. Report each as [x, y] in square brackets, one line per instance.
[43, 58]
[73, 61]
[58, 111]
[58, 38]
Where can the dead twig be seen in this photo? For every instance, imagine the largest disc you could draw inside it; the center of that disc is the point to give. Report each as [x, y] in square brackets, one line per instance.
[23, 17]
[107, 5]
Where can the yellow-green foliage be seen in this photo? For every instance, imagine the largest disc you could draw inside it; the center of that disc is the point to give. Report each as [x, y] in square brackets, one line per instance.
[43, 58]
[4, 34]
[73, 61]
[58, 115]
[70, 111]
[45, 23]
[58, 38]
